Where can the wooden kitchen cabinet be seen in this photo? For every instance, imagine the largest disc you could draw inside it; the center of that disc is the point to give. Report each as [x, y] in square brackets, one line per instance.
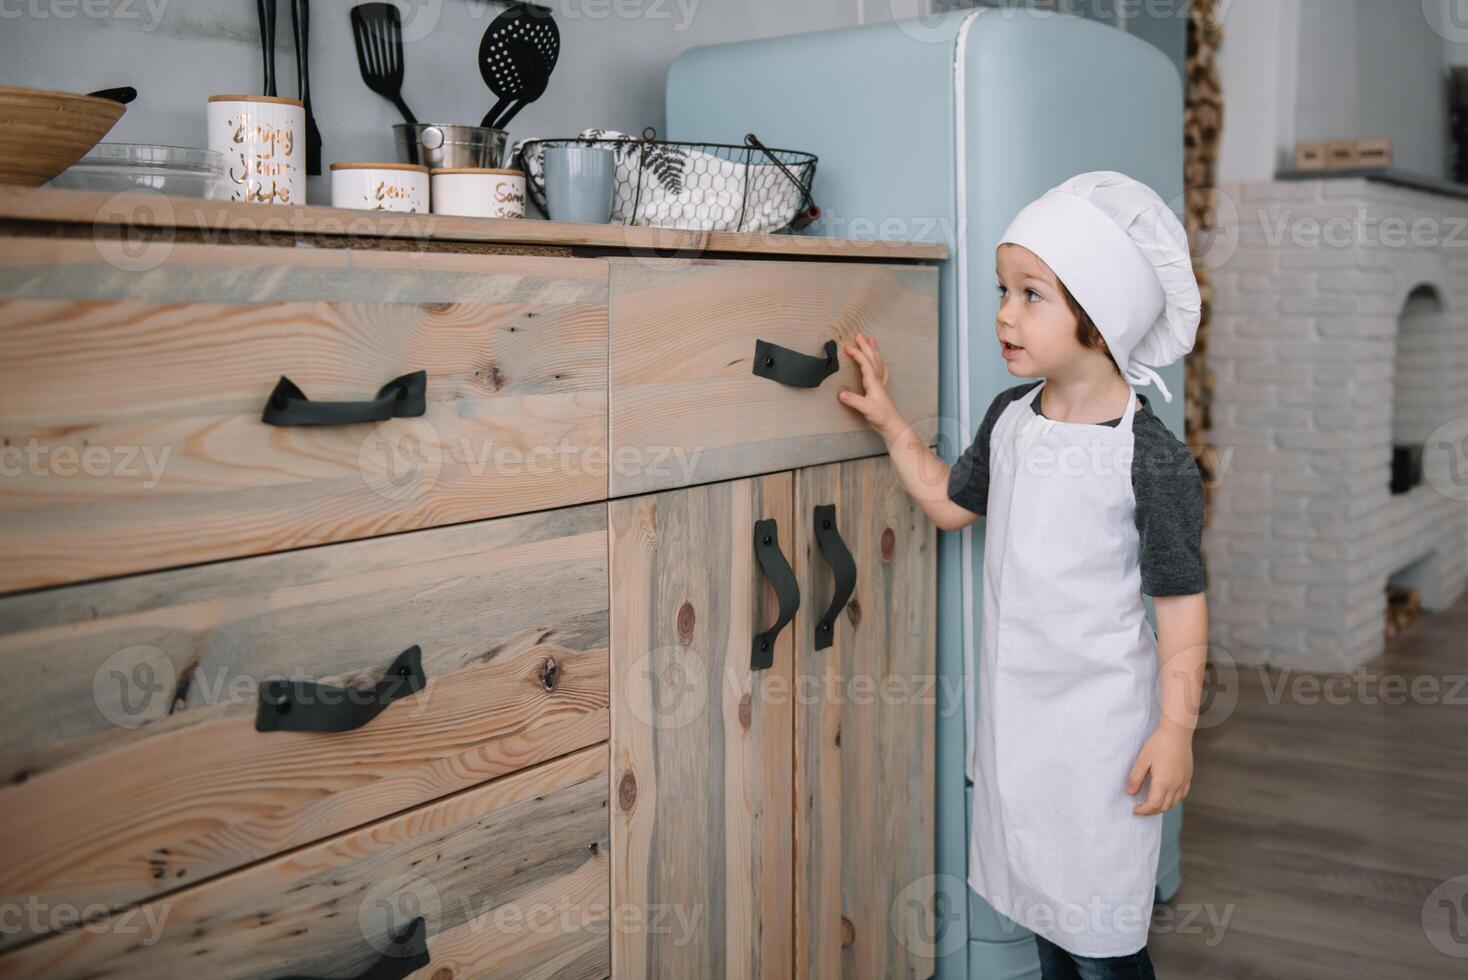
[509, 878]
[701, 761]
[553, 573]
[730, 368]
[154, 383]
[774, 821]
[509, 620]
[865, 728]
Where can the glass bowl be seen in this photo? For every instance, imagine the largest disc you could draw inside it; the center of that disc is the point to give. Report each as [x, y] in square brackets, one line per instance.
[177, 170]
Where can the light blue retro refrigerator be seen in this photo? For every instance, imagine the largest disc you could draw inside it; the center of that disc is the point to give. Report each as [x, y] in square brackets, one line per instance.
[941, 129]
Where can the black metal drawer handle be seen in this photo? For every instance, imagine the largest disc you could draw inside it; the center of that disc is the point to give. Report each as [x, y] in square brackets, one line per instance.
[790, 367]
[777, 570]
[305, 706]
[400, 398]
[407, 953]
[843, 570]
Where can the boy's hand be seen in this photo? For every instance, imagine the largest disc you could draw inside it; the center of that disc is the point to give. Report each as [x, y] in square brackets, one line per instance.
[1169, 756]
[875, 403]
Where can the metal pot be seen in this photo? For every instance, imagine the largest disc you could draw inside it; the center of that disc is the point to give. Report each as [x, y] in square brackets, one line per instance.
[436, 145]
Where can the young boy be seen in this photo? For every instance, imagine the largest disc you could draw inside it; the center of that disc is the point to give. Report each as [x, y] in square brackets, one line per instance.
[1089, 502]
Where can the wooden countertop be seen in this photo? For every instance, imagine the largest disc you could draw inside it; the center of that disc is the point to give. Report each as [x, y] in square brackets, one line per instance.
[147, 210]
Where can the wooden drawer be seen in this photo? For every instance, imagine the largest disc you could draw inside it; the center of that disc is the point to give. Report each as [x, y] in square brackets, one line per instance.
[510, 878]
[131, 398]
[134, 766]
[685, 404]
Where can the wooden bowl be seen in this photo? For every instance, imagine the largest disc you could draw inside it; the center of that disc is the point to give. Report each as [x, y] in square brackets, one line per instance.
[42, 133]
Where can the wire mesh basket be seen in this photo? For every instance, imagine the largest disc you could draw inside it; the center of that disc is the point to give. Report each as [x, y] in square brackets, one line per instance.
[695, 186]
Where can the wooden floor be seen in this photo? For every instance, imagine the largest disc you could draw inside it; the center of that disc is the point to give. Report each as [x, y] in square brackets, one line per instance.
[1318, 826]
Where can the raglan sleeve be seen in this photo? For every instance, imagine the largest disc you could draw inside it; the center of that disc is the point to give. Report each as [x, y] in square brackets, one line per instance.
[968, 480]
[1169, 494]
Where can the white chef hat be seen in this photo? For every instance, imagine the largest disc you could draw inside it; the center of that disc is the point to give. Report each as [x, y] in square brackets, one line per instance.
[1124, 256]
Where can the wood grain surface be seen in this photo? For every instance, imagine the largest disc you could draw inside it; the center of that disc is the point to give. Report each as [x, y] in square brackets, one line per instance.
[148, 210]
[511, 877]
[132, 764]
[865, 725]
[130, 399]
[686, 406]
[701, 759]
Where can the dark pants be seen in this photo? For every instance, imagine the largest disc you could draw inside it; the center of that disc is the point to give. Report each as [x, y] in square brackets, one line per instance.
[1057, 964]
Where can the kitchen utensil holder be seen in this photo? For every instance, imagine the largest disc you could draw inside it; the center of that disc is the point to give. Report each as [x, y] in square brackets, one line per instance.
[649, 166]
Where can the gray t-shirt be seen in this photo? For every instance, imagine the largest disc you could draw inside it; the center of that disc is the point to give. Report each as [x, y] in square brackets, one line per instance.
[1165, 480]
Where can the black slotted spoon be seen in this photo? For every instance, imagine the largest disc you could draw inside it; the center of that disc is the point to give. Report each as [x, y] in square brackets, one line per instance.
[516, 56]
[378, 30]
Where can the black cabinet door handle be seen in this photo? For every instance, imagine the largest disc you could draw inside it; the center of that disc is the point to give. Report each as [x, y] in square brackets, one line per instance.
[305, 706]
[787, 592]
[400, 398]
[407, 953]
[843, 570]
[790, 367]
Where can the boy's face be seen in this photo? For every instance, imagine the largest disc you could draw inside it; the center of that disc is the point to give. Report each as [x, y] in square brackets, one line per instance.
[1034, 316]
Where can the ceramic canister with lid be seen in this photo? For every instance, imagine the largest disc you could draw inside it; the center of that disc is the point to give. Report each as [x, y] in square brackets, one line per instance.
[261, 137]
[380, 186]
[478, 192]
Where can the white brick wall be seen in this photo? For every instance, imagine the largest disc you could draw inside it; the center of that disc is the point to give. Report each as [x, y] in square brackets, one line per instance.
[1312, 385]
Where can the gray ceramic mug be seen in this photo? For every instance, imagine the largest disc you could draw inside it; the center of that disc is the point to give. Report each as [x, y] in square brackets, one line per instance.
[578, 183]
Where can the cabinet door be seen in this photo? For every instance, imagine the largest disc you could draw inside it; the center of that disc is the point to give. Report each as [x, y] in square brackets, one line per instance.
[865, 715]
[701, 754]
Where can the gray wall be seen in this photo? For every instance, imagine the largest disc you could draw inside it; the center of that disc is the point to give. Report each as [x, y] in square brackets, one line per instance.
[614, 56]
[1368, 68]
[1258, 69]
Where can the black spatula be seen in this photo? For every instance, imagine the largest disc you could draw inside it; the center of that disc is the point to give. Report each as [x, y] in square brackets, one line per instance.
[378, 31]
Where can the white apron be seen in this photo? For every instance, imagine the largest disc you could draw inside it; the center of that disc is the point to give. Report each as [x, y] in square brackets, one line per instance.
[1067, 673]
